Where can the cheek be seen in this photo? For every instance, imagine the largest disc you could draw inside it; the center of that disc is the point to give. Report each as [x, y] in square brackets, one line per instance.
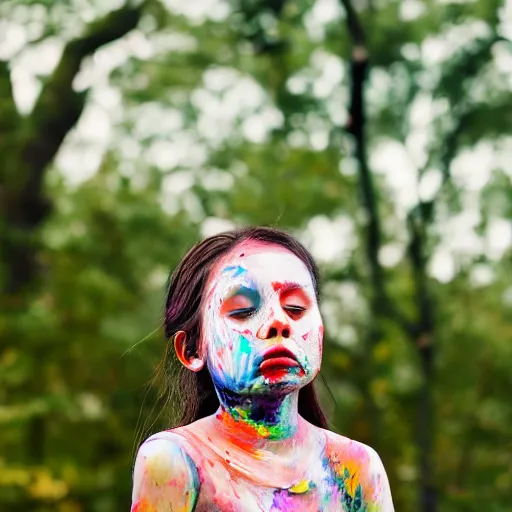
[229, 346]
[313, 339]
[311, 327]
[219, 339]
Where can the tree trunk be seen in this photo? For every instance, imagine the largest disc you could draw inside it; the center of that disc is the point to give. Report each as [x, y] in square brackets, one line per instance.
[28, 146]
[421, 332]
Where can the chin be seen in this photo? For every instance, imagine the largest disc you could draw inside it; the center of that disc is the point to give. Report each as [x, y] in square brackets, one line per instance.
[279, 381]
[282, 381]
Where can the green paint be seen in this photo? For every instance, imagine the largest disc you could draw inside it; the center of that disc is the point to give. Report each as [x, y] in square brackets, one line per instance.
[245, 346]
[272, 432]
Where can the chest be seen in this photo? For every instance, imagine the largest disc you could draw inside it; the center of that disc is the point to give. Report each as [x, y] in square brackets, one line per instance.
[319, 490]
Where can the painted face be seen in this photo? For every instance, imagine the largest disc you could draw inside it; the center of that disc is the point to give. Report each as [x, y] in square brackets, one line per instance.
[262, 328]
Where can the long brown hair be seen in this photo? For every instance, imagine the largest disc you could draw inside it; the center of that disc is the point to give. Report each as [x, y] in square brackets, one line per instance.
[183, 313]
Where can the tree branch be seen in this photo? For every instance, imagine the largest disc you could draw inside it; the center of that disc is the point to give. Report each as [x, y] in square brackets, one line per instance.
[356, 127]
[37, 140]
[354, 26]
[9, 117]
[59, 106]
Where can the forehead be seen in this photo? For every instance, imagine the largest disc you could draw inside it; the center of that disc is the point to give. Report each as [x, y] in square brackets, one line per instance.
[263, 262]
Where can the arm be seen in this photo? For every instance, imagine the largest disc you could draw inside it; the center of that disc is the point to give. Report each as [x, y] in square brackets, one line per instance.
[381, 483]
[164, 478]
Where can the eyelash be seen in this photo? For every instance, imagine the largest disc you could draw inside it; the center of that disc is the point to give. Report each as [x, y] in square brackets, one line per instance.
[241, 314]
[244, 313]
[294, 311]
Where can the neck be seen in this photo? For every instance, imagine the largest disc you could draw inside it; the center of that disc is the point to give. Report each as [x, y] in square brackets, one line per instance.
[259, 418]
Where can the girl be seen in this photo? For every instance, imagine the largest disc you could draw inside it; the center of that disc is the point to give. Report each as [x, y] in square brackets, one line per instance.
[242, 313]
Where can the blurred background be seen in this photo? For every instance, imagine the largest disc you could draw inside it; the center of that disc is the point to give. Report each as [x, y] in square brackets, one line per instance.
[376, 131]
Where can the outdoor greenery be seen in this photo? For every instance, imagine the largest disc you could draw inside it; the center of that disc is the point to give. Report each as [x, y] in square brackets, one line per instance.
[377, 131]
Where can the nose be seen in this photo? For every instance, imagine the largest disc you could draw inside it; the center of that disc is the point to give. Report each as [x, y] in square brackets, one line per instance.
[274, 327]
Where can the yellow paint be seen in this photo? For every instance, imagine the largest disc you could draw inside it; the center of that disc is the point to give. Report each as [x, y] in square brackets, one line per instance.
[258, 454]
[158, 471]
[352, 482]
[299, 488]
[263, 431]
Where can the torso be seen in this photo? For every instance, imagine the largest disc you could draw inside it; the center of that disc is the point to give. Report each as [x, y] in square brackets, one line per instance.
[333, 475]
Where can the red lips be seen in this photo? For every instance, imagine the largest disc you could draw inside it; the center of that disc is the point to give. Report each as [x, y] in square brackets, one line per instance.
[278, 358]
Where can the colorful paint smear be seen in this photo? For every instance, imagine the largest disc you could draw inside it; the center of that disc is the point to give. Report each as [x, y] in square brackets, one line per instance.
[262, 342]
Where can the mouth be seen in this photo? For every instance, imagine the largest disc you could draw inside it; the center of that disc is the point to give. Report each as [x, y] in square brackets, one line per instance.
[278, 358]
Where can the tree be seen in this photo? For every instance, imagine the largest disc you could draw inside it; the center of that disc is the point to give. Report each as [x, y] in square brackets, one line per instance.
[255, 112]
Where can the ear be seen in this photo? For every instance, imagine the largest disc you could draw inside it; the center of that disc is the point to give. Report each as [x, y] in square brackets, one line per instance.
[180, 346]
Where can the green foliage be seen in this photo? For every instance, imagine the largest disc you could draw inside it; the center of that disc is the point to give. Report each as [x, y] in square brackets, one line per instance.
[239, 117]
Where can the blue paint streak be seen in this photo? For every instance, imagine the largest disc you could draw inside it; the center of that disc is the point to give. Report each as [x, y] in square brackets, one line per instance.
[238, 270]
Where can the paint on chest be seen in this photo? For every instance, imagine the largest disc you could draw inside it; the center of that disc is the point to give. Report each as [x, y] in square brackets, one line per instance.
[302, 496]
[334, 497]
[241, 497]
[337, 490]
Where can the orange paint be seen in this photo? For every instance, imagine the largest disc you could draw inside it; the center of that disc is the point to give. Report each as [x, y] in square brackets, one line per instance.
[143, 506]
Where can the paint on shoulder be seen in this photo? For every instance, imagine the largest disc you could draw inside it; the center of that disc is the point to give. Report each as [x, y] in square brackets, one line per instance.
[164, 474]
[350, 465]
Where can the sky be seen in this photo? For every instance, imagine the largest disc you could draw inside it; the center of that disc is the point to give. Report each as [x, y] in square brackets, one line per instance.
[242, 97]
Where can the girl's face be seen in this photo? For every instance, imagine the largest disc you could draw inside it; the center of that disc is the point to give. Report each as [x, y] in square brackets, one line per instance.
[262, 328]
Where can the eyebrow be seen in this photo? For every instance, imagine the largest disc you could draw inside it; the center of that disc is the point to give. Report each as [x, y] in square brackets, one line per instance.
[286, 286]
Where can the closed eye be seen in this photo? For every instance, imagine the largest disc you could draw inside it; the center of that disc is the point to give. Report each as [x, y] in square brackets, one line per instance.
[295, 302]
[294, 312]
[241, 304]
[242, 313]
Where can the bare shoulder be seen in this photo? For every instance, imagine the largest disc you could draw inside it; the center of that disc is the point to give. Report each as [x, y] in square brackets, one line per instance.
[353, 450]
[360, 466]
[164, 477]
